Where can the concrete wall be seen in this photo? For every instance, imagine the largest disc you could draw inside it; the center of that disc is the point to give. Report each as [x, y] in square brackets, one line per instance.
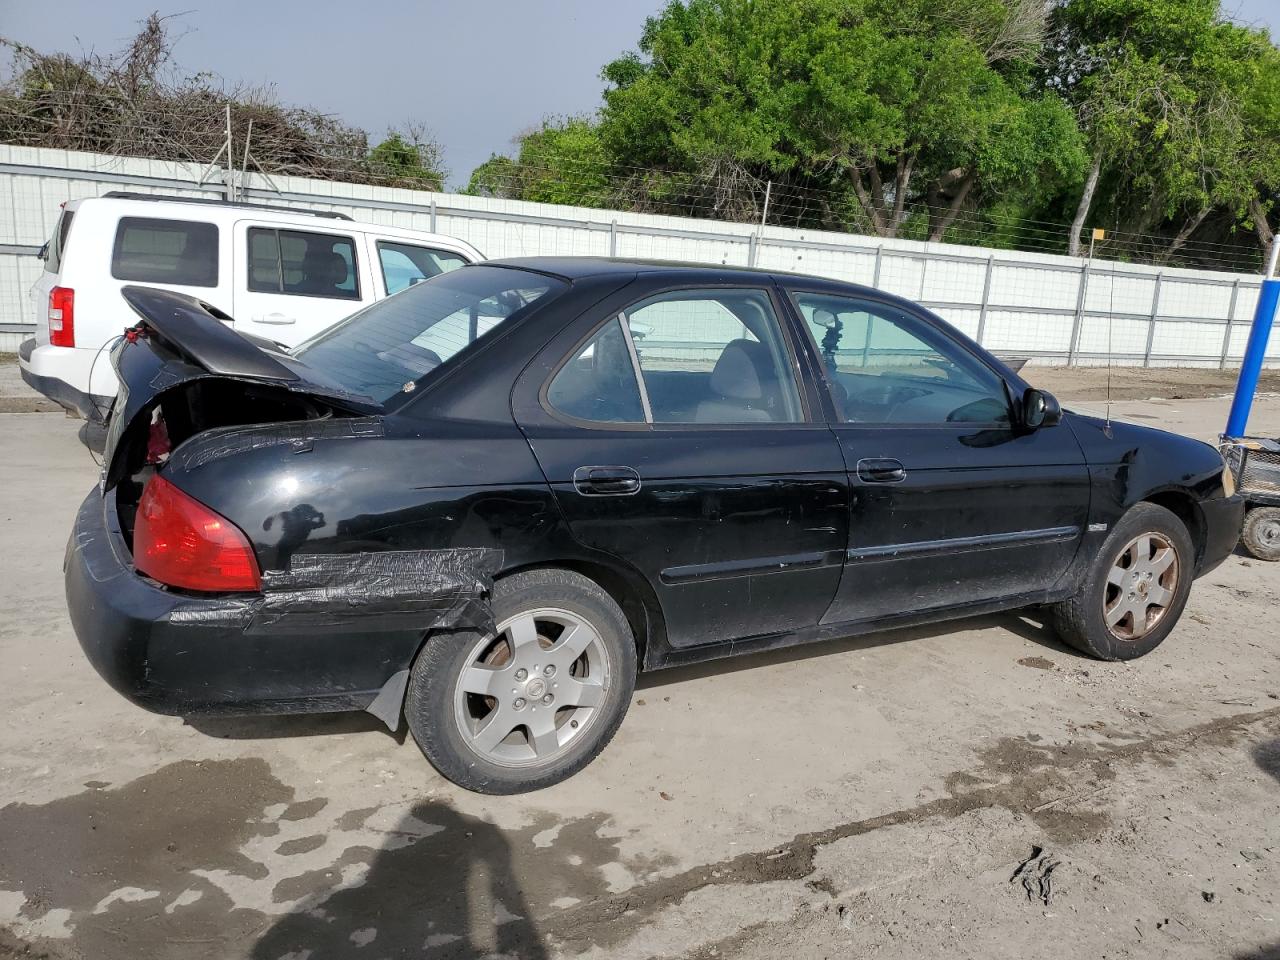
[1054, 309]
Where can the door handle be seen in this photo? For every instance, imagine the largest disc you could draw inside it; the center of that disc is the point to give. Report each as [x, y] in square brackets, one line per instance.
[274, 318]
[606, 481]
[881, 471]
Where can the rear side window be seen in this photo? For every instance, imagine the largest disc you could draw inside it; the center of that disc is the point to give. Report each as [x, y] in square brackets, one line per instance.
[404, 264]
[58, 242]
[303, 264]
[182, 252]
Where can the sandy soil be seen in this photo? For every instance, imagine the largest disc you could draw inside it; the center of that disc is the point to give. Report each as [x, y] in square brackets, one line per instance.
[972, 789]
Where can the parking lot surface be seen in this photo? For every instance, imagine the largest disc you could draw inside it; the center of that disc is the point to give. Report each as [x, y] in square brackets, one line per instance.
[971, 789]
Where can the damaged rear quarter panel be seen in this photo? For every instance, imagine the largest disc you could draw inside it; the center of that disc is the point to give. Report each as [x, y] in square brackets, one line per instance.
[373, 484]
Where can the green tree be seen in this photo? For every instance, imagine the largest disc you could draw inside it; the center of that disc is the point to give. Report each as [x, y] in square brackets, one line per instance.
[562, 161]
[413, 159]
[1160, 88]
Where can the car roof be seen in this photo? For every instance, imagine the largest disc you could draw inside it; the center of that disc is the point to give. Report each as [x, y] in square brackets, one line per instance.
[580, 268]
[222, 212]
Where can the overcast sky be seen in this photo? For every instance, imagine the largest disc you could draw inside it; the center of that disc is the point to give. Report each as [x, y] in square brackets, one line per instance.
[477, 73]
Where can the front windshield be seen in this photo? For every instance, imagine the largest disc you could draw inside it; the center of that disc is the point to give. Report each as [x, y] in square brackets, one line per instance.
[386, 348]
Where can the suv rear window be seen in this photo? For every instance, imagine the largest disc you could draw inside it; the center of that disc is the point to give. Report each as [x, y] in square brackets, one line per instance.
[182, 252]
[58, 242]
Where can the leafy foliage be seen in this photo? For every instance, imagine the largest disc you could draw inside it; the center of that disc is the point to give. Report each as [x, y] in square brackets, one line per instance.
[987, 121]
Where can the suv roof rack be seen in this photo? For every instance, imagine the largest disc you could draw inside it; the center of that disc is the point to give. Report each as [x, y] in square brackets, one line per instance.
[126, 195]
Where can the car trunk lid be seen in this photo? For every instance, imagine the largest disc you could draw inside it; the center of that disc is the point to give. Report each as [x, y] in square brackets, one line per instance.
[183, 350]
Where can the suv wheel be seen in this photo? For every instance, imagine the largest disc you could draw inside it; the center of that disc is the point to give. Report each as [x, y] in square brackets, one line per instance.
[533, 704]
[1135, 591]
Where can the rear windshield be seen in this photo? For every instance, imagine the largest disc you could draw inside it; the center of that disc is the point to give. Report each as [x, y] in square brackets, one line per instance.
[181, 252]
[385, 349]
[58, 242]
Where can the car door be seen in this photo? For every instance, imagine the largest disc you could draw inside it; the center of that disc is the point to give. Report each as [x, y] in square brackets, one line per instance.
[294, 283]
[951, 502]
[678, 435]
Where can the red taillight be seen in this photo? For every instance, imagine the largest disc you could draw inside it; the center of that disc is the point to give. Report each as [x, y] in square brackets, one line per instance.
[181, 542]
[62, 317]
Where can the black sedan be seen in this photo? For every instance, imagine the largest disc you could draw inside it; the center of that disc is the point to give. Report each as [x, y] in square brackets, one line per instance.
[486, 503]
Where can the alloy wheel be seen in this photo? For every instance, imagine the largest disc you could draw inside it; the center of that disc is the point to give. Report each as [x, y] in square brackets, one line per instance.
[1141, 586]
[526, 695]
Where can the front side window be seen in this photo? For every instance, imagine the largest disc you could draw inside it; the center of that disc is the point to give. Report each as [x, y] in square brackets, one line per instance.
[386, 348]
[404, 264]
[886, 366]
[692, 356]
[302, 263]
[181, 252]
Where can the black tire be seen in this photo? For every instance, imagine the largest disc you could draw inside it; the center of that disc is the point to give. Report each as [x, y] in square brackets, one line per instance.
[1261, 533]
[1081, 620]
[431, 702]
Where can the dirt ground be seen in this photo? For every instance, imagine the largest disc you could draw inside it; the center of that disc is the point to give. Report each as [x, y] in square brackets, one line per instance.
[966, 790]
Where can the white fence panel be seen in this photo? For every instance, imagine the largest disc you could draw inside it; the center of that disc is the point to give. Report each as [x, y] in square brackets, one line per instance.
[1019, 303]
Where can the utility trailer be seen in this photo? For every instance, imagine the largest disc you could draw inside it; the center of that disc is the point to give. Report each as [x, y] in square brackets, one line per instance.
[1255, 463]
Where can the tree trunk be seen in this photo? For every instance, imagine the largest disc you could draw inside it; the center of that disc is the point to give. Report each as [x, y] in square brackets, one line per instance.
[1266, 236]
[901, 182]
[1082, 211]
[868, 204]
[941, 227]
[1184, 234]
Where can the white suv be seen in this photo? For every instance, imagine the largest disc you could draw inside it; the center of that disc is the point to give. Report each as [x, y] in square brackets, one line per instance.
[283, 274]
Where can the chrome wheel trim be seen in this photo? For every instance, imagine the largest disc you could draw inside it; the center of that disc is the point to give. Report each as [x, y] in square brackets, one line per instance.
[1141, 584]
[525, 696]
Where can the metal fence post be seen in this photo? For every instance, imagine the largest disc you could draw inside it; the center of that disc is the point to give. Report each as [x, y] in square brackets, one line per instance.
[433, 216]
[1151, 325]
[1074, 347]
[1231, 315]
[751, 250]
[986, 297]
[613, 238]
[875, 277]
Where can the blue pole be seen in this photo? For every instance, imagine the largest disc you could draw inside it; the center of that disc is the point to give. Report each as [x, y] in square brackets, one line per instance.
[1256, 350]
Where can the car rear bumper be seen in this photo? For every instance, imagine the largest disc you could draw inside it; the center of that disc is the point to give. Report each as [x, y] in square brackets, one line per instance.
[176, 654]
[60, 373]
[1223, 519]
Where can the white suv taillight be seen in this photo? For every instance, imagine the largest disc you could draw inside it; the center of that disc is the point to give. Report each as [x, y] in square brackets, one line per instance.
[62, 317]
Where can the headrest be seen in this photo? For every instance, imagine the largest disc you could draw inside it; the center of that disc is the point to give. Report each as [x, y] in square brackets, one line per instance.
[739, 372]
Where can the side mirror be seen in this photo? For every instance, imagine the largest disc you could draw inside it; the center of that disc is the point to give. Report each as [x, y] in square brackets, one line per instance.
[1040, 409]
[43, 252]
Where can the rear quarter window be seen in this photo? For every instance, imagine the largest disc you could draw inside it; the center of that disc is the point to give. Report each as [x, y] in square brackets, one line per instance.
[58, 242]
[181, 252]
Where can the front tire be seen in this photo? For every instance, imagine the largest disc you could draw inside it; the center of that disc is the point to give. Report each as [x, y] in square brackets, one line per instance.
[1135, 590]
[534, 704]
[1261, 533]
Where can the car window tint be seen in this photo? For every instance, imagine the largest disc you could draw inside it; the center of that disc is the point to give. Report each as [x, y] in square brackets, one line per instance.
[301, 263]
[886, 366]
[599, 383]
[714, 356]
[388, 347]
[181, 252]
[404, 264]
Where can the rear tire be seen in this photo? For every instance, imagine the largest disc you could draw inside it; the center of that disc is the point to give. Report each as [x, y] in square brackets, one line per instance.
[534, 704]
[1261, 533]
[1135, 590]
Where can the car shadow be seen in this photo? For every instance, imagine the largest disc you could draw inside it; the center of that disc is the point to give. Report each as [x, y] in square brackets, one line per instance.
[93, 435]
[290, 726]
[443, 886]
[1029, 625]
